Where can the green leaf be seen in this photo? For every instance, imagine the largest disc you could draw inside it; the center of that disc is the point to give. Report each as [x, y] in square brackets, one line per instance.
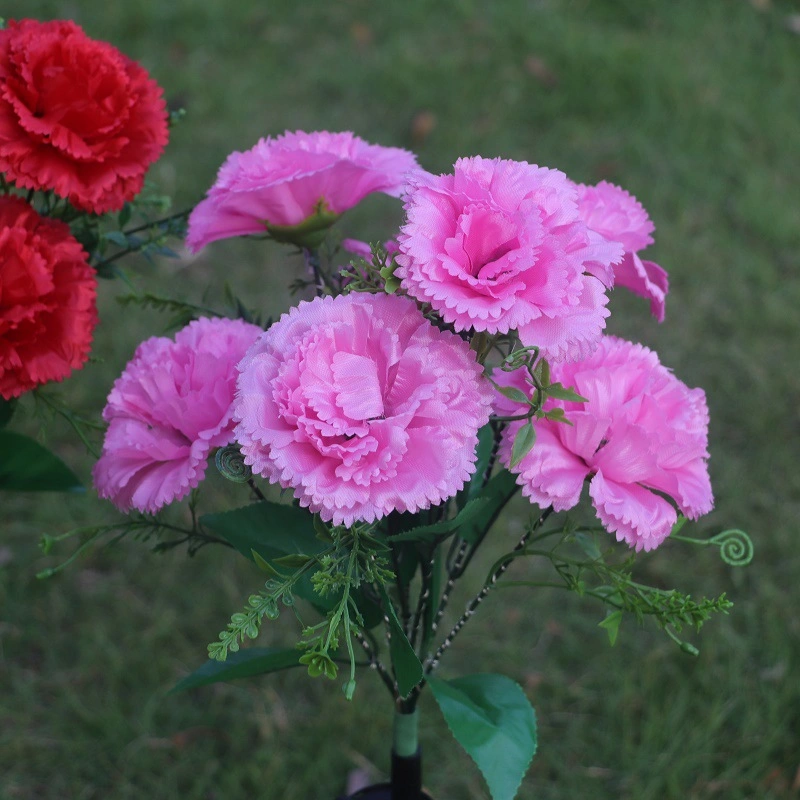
[491, 718]
[271, 529]
[244, 664]
[6, 411]
[124, 216]
[427, 533]
[514, 394]
[494, 496]
[293, 561]
[265, 566]
[483, 454]
[523, 443]
[26, 466]
[611, 624]
[589, 546]
[117, 237]
[406, 664]
[557, 415]
[560, 392]
[275, 530]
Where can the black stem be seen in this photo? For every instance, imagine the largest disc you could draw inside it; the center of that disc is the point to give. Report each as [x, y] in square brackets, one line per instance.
[311, 256]
[472, 607]
[145, 226]
[256, 491]
[453, 571]
[376, 664]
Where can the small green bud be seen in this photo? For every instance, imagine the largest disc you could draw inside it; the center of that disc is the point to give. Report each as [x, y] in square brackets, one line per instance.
[349, 688]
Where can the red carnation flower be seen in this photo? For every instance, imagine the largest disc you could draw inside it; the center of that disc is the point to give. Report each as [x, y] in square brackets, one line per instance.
[76, 115]
[47, 299]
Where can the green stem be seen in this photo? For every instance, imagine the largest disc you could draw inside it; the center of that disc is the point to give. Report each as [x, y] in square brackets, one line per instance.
[405, 733]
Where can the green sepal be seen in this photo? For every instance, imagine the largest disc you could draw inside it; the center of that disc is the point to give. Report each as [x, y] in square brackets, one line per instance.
[319, 664]
[492, 719]
[406, 664]
[26, 466]
[244, 664]
[310, 233]
[679, 523]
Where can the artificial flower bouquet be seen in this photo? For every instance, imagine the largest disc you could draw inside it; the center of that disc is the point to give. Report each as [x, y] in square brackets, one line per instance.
[418, 385]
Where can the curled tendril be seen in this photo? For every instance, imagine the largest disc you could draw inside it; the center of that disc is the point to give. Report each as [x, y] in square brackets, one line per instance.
[230, 463]
[523, 357]
[735, 547]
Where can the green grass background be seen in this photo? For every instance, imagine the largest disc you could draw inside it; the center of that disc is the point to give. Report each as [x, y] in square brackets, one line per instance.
[694, 106]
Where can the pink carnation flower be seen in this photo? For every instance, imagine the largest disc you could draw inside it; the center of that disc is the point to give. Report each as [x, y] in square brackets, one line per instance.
[288, 180]
[642, 434]
[619, 217]
[499, 245]
[361, 406]
[167, 411]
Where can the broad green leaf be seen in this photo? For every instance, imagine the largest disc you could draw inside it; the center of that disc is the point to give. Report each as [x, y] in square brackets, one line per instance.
[293, 561]
[477, 516]
[611, 624]
[491, 718]
[494, 496]
[124, 216]
[276, 530]
[427, 533]
[265, 566]
[483, 454]
[244, 664]
[6, 410]
[407, 561]
[271, 529]
[560, 392]
[26, 466]
[406, 664]
[524, 441]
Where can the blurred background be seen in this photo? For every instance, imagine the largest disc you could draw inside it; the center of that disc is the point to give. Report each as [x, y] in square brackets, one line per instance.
[693, 107]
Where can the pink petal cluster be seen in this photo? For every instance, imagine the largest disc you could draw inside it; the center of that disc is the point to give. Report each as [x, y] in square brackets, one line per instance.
[286, 180]
[362, 407]
[642, 434]
[169, 408]
[619, 217]
[500, 245]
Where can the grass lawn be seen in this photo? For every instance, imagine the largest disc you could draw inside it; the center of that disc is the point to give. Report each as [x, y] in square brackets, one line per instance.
[693, 107]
